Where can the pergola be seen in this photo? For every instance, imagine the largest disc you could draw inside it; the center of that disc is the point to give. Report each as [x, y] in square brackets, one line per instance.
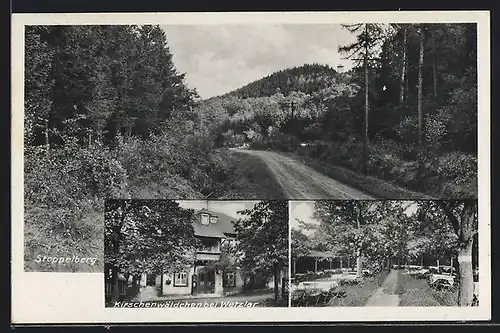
[321, 256]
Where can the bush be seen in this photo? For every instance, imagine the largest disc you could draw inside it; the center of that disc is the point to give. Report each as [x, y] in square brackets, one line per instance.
[453, 175]
[64, 200]
[67, 175]
[187, 166]
[284, 142]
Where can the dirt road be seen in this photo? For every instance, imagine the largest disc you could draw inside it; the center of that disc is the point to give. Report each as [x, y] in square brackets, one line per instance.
[302, 182]
[386, 295]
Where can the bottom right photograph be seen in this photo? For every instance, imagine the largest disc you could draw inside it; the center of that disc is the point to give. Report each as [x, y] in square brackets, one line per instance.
[384, 253]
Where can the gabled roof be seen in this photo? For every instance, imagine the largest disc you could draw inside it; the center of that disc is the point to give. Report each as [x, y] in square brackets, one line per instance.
[224, 225]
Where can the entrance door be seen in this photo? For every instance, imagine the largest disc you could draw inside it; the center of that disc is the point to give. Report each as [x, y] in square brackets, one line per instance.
[150, 280]
[206, 282]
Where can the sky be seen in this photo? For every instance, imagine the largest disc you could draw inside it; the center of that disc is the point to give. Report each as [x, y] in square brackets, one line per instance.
[303, 211]
[230, 208]
[220, 58]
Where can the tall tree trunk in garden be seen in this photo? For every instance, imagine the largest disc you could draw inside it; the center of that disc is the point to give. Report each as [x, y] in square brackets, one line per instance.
[115, 297]
[161, 281]
[465, 274]
[420, 87]
[359, 252]
[359, 263]
[464, 227]
[276, 282]
[465, 269]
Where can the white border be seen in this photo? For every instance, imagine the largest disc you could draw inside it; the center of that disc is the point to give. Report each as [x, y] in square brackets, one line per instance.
[78, 297]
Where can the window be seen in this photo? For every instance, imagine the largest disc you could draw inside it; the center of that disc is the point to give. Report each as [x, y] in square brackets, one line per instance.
[180, 279]
[213, 219]
[229, 280]
[204, 219]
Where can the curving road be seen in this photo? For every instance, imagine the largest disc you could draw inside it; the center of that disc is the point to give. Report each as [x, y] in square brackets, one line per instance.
[302, 182]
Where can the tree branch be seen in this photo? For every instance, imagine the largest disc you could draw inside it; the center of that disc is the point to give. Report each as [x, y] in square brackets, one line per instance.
[451, 217]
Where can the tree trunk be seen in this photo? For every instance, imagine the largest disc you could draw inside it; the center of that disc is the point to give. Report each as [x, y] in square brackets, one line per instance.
[161, 281]
[359, 254]
[115, 296]
[359, 263]
[276, 282]
[294, 266]
[420, 87]
[365, 143]
[465, 273]
[403, 72]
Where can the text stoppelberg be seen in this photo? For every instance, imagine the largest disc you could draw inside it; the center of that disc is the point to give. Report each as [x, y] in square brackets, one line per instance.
[65, 260]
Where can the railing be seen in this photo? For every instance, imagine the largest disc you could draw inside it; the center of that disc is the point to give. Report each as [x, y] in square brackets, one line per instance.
[209, 249]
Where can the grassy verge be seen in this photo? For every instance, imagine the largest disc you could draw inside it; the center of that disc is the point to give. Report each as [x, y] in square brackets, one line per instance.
[248, 178]
[83, 238]
[371, 185]
[271, 302]
[417, 292]
[358, 295]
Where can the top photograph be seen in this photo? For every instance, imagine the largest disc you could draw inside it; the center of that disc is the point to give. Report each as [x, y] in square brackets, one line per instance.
[249, 111]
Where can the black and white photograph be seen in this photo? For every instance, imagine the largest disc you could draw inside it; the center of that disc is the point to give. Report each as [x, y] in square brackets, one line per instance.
[193, 254]
[290, 111]
[384, 253]
[285, 160]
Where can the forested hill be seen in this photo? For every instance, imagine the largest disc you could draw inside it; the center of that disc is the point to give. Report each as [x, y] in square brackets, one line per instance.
[307, 78]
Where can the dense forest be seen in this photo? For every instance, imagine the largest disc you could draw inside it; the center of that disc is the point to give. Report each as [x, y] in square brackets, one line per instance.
[420, 97]
[306, 79]
[107, 115]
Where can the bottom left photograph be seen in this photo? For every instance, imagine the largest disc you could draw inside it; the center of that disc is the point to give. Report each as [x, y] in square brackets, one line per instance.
[194, 253]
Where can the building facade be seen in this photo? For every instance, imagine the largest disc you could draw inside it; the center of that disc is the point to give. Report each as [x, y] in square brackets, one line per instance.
[214, 230]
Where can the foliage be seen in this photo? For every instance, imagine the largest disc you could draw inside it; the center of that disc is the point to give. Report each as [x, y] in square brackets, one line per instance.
[300, 245]
[263, 238]
[146, 235]
[95, 82]
[306, 79]
[319, 106]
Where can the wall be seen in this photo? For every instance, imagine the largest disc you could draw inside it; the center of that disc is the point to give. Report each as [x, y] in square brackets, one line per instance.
[218, 284]
[170, 289]
[239, 284]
